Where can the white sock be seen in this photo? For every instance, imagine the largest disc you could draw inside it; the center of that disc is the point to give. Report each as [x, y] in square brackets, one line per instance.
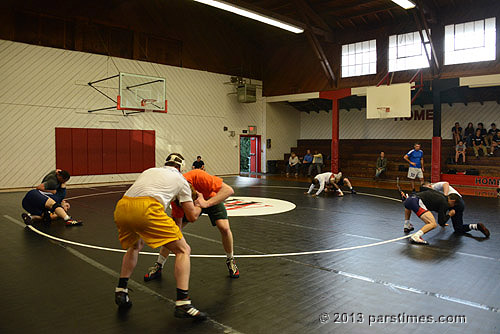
[67, 217]
[407, 223]
[418, 234]
[473, 226]
[230, 255]
[161, 259]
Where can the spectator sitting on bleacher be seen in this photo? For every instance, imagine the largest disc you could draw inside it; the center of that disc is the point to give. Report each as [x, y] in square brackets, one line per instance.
[478, 143]
[495, 143]
[460, 149]
[306, 162]
[469, 133]
[484, 133]
[293, 164]
[381, 165]
[317, 162]
[457, 133]
[491, 132]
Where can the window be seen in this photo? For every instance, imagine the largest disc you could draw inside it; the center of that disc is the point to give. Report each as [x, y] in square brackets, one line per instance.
[406, 52]
[359, 59]
[470, 42]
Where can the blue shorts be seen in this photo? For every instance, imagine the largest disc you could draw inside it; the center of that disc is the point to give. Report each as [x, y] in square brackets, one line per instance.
[34, 202]
[416, 205]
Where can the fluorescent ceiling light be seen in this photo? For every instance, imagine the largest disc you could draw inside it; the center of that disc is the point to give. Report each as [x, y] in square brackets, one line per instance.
[406, 4]
[251, 15]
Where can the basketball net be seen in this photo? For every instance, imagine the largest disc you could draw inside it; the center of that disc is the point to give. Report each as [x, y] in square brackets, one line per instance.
[147, 103]
[384, 112]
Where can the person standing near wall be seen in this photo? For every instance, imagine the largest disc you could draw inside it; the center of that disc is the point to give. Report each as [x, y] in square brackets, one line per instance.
[198, 164]
[415, 158]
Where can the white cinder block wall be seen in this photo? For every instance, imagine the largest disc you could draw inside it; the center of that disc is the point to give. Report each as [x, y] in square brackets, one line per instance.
[282, 127]
[44, 88]
[354, 125]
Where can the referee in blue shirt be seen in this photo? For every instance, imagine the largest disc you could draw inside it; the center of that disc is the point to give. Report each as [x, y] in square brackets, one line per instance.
[415, 158]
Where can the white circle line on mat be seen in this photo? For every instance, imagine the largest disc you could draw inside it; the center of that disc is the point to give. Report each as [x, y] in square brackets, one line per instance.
[223, 256]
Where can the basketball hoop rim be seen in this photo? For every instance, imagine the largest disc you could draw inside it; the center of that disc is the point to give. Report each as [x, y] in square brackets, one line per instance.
[119, 106]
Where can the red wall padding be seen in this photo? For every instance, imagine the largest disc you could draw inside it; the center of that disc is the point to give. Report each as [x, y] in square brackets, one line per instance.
[94, 151]
[104, 151]
[109, 151]
[148, 148]
[63, 149]
[136, 150]
[123, 151]
[79, 151]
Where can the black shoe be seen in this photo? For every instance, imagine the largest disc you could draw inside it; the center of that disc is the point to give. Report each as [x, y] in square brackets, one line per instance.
[73, 222]
[122, 299]
[408, 229]
[27, 218]
[483, 230]
[234, 272]
[154, 272]
[353, 191]
[184, 309]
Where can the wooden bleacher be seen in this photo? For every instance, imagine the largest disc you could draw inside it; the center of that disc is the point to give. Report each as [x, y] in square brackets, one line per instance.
[358, 157]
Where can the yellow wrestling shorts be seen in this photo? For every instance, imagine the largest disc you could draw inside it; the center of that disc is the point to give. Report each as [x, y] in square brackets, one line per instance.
[144, 218]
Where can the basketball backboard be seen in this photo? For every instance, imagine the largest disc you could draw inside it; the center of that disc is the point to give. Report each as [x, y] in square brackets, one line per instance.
[388, 101]
[141, 92]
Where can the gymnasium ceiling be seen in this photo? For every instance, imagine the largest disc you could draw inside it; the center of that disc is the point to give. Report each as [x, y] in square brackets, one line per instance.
[189, 34]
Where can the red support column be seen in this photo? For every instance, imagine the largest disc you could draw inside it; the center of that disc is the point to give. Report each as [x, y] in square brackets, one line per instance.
[335, 96]
[335, 137]
[436, 159]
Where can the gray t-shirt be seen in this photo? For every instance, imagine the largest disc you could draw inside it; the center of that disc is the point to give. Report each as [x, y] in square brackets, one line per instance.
[50, 181]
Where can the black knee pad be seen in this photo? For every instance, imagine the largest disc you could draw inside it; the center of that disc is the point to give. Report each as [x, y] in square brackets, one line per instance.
[55, 206]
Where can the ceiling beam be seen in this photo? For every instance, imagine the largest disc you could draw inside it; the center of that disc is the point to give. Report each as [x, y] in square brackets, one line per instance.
[352, 4]
[370, 12]
[420, 20]
[318, 49]
[318, 20]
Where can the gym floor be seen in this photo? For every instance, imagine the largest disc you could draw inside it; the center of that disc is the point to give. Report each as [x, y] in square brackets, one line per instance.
[52, 286]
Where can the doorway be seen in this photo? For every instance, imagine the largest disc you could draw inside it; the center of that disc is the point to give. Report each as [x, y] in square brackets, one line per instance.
[250, 154]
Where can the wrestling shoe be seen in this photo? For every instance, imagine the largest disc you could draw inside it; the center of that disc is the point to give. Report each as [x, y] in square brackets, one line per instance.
[234, 272]
[483, 230]
[154, 272]
[408, 228]
[353, 191]
[27, 218]
[122, 299]
[418, 240]
[73, 222]
[184, 309]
